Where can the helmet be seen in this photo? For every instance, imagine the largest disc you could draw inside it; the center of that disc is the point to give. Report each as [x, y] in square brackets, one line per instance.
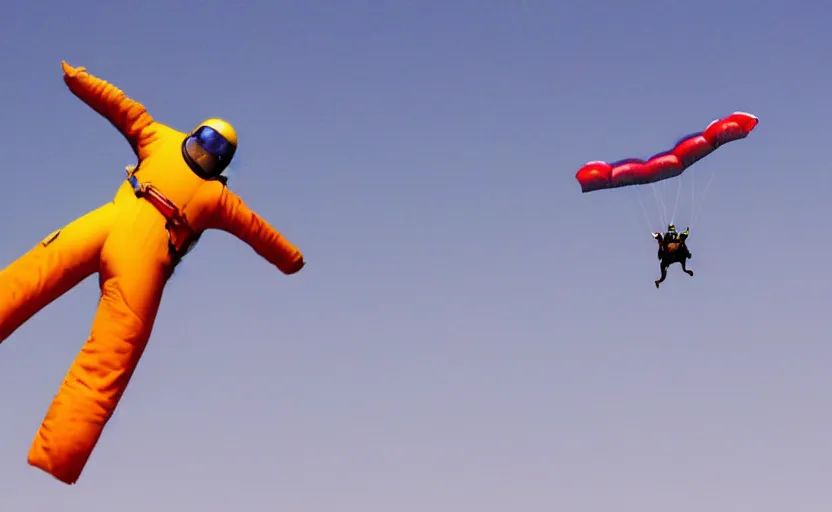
[671, 227]
[209, 148]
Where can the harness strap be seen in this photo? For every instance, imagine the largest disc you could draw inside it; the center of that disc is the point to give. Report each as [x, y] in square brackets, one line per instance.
[165, 206]
[173, 216]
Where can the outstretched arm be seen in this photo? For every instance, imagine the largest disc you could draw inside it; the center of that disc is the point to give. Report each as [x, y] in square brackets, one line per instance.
[234, 217]
[127, 115]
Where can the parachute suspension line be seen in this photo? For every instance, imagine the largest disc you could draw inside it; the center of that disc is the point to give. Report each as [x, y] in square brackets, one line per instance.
[692, 192]
[656, 201]
[635, 215]
[659, 205]
[664, 204]
[636, 219]
[678, 195]
[643, 208]
[702, 201]
[662, 195]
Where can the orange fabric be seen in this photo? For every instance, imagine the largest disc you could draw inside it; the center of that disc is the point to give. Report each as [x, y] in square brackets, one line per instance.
[127, 243]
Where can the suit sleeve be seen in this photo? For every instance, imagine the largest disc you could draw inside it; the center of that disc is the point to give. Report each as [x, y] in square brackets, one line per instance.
[127, 115]
[234, 217]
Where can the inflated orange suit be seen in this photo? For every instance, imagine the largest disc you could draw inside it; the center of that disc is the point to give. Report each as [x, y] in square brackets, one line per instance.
[176, 192]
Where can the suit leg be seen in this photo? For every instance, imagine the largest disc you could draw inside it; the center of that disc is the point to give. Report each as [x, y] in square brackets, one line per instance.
[133, 279]
[54, 266]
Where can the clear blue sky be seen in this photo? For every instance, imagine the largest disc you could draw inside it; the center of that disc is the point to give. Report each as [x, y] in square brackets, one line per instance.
[471, 332]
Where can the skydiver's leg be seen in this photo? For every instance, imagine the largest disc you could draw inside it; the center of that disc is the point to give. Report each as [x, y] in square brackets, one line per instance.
[54, 266]
[132, 281]
[684, 267]
[663, 277]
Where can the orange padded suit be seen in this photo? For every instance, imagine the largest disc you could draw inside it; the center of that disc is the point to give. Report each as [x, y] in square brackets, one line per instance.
[132, 247]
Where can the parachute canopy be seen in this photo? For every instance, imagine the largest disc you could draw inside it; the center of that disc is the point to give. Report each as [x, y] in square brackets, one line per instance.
[598, 175]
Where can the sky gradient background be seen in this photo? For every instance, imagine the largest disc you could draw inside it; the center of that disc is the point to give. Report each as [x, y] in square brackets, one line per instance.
[471, 332]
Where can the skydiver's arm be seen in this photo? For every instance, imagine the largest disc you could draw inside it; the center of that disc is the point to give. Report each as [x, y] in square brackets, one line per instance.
[234, 217]
[127, 115]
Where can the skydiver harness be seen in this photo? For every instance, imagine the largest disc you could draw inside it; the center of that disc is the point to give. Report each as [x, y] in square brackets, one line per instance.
[176, 223]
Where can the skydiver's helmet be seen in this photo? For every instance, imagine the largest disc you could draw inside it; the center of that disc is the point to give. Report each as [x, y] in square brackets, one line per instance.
[209, 149]
[671, 228]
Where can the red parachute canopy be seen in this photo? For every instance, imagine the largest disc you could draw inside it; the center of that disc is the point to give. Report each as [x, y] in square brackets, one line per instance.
[669, 164]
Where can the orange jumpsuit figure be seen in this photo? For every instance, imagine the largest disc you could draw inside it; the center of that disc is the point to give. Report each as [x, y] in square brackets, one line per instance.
[177, 191]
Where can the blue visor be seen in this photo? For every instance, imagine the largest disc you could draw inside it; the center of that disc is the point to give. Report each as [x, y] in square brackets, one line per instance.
[209, 151]
[214, 143]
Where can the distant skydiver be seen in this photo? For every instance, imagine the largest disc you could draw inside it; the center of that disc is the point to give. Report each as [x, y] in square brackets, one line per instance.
[673, 248]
